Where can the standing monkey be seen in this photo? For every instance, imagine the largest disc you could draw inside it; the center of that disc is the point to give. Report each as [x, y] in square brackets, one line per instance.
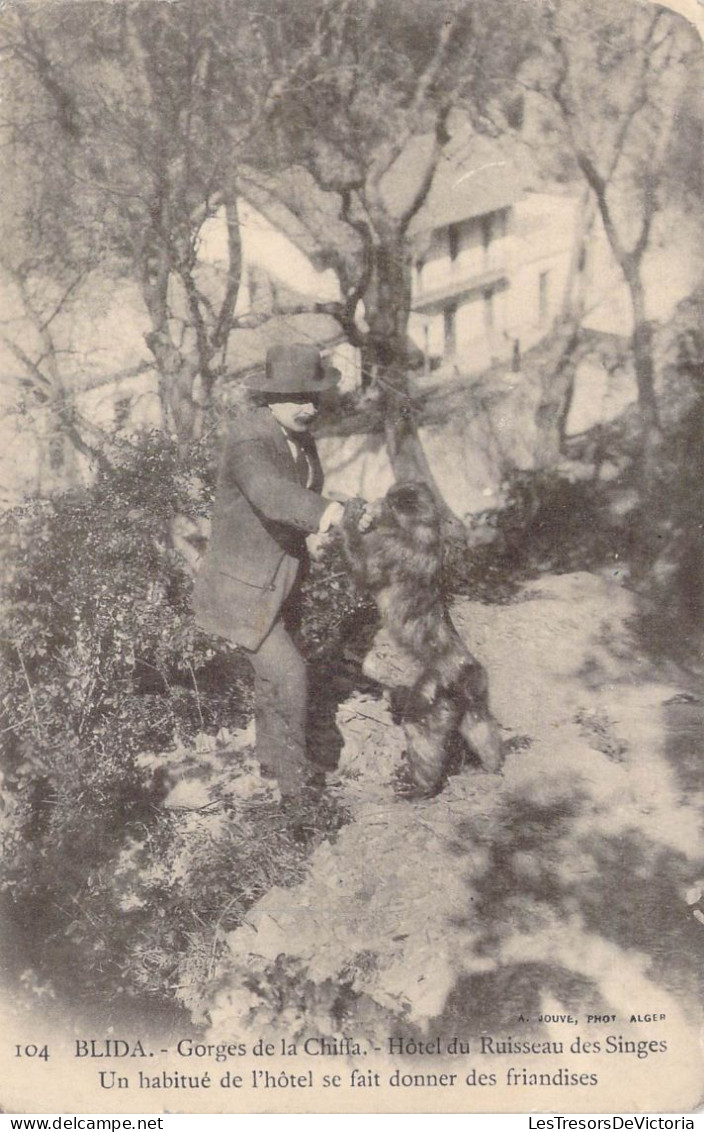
[399, 559]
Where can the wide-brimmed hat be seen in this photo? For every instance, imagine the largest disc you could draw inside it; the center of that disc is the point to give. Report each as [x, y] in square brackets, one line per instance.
[294, 369]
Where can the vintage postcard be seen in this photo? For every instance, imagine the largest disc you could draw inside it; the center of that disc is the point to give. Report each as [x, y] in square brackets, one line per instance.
[352, 402]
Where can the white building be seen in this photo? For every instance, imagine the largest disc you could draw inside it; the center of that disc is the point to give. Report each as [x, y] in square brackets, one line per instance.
[490, 263]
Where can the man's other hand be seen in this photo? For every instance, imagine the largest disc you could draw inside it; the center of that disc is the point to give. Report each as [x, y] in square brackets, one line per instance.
[331, 517]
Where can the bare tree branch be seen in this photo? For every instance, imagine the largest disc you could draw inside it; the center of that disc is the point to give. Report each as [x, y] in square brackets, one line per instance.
[32, 368]
[439, 141]
[77, 280]
[388, 154]
[223, 322]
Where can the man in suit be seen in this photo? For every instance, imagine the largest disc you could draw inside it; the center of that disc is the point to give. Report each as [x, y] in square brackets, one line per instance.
[268, 499]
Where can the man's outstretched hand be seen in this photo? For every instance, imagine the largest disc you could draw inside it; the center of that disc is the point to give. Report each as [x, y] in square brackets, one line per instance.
[332, 516]
[356, 510]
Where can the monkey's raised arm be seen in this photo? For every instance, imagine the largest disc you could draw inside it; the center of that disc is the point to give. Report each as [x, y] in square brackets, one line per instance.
[352, 538]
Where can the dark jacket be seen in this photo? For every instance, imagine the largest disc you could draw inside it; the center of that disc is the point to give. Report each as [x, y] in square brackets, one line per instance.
[260, 521]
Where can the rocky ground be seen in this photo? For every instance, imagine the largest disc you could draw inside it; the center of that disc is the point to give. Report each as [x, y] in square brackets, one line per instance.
[569, 882]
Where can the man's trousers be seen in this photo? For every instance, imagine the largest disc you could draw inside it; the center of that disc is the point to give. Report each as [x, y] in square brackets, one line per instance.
[281, 707]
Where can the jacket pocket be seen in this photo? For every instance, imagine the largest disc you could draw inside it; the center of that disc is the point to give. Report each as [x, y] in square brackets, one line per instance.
[268, 584]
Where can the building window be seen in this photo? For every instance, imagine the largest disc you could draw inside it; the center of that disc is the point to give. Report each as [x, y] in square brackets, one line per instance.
[486, 223]
[453, 241]
[450, 327]
[419, 265]
[543, 297]
[252, 285]
[488, 296]
[122, 412]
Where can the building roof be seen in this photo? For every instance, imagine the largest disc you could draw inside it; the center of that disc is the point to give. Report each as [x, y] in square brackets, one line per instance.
[293, 203]
[474, 177]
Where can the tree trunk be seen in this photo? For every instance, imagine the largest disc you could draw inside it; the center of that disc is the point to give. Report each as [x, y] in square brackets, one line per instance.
[556, 396]
[386, 357]
[403, 444]
[406, 453]
[557, 384]
[181, 412]
[643, 355]
[650, 433]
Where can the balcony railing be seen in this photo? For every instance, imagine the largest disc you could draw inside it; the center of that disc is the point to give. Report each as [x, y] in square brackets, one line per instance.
[458, 284]
[474, 267]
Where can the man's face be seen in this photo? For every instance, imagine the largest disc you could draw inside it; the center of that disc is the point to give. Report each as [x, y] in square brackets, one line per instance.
[295, 411]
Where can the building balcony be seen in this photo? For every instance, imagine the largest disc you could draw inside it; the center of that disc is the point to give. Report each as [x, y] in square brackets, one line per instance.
[459, 286]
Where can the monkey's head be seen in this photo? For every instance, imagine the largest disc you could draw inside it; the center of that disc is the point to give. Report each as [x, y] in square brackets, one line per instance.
[412, 507]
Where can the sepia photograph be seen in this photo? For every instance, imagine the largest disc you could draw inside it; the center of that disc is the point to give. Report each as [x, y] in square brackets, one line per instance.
[352, 556]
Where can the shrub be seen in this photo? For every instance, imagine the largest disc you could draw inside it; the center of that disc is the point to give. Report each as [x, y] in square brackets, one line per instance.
[547, 523]
[101, 661]
[334, 612]
[574, 518]
[106, 685]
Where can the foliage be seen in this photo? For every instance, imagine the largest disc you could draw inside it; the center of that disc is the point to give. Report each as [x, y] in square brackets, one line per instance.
[147, 120]
[137, 115]
[106, 686]
[547, 523]
[101, 662]
[183, 883]
[386, 92]
[97, 609]
[334, 612]
[616, 79]
[672, 548]
[645, 530]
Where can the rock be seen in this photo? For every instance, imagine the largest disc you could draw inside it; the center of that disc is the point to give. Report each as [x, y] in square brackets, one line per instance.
[188, 794]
